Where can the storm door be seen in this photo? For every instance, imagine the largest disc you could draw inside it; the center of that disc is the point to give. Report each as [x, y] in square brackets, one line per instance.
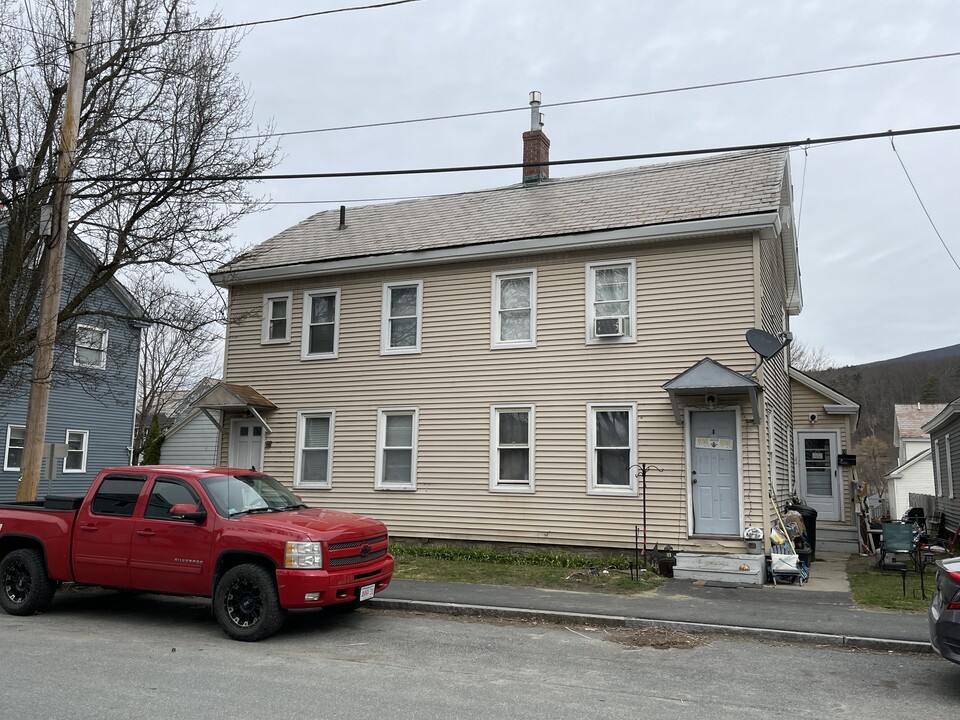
[818, 481]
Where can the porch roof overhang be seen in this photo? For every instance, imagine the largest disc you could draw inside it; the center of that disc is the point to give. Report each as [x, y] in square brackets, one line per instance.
[708, 377]
[226, 396]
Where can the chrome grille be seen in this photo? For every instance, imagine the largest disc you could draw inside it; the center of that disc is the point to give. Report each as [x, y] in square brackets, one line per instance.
[357, 543]
[355, 559]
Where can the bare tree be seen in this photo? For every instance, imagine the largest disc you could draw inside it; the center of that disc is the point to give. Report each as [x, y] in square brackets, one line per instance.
[165, 131]
[177, 351]
[873, 463]
[808, 358]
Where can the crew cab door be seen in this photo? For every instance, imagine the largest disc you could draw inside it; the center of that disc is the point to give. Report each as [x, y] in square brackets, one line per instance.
[103, 532]
[170, 554]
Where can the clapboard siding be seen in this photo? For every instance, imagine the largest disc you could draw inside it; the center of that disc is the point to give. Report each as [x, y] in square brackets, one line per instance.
[694, 299]
[949, 469]
[192, 441]
[103, 404]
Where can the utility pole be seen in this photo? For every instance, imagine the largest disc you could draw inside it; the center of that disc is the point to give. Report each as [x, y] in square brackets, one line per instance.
[53, 261]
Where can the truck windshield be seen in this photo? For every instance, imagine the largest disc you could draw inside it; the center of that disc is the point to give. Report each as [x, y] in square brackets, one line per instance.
[234, 495]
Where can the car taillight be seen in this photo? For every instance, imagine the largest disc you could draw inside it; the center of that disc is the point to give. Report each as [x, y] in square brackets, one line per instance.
[955, 576]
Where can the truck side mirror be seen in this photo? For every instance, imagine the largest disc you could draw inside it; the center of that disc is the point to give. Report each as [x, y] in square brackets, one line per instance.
[188, 511]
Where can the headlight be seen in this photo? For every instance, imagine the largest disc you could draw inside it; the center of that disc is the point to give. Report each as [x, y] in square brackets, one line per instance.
[303, 555]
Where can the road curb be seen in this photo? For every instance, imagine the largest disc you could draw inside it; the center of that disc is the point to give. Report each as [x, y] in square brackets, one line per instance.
[791, 636]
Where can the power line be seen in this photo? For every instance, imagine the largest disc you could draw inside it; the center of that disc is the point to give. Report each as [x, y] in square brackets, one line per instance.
[624, 96]
[924, 207]
[784, 144]
[253, 23]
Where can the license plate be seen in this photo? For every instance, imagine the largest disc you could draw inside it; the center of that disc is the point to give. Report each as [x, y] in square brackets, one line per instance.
[366, 592]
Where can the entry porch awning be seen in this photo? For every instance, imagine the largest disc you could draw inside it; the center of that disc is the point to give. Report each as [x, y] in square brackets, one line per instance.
[708, 377]
[226, 396]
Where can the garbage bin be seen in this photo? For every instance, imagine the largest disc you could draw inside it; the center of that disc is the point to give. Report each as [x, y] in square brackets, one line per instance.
[809, 516]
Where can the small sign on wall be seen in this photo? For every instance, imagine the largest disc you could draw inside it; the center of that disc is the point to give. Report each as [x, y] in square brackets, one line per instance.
[714, 443]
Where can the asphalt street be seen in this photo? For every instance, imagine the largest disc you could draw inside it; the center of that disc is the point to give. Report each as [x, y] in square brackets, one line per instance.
[101, 654]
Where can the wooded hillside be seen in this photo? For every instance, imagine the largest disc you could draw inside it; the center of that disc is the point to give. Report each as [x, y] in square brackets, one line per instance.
[927, 377]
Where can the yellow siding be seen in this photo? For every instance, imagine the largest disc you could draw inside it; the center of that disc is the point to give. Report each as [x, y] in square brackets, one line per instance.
[806, 401]
[694, 299]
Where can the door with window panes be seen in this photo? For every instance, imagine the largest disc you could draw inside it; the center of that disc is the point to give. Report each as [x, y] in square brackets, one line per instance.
[818, 480]
[246, 445]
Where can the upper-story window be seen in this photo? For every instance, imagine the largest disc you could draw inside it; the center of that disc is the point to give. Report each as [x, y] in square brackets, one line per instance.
[402, 317]
[276, 318]
[514, 320]
[13, 452]
[76, 459]
[91, 347]
[321, 315]
[611, 302]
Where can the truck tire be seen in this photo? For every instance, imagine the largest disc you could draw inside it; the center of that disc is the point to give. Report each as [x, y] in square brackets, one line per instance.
[246, 603]
[25, 587]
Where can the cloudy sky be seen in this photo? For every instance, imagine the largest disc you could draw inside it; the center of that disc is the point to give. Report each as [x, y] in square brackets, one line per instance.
[877, 281]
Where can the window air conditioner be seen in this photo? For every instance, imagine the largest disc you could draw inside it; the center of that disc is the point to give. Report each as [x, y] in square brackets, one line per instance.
[609, 327]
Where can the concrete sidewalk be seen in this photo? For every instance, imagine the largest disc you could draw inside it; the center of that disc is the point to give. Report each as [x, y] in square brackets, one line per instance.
[821, 611]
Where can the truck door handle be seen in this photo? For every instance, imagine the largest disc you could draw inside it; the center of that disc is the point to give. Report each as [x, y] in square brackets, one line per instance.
[146, 533]
[89, 527]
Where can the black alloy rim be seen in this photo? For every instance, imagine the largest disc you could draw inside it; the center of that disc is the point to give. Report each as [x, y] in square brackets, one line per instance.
[16, 582]
[244, 603]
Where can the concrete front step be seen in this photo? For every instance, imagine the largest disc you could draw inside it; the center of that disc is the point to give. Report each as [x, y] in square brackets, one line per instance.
[741, 569]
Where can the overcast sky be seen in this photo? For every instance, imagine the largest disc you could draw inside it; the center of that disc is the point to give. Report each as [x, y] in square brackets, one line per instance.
[877, 282]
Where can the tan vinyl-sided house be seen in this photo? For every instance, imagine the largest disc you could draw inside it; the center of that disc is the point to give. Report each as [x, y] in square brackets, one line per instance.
[496, 365]
[824, 422]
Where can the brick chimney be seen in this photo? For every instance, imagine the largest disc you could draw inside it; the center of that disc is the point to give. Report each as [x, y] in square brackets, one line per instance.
[536, 145]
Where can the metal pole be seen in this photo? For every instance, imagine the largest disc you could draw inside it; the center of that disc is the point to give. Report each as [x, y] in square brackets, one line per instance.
[53, 261]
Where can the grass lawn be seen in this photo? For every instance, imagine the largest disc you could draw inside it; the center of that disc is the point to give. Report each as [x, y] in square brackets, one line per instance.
[873, 588]
[561, 572]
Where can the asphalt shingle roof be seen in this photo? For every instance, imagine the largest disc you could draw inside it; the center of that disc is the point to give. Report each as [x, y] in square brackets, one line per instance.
[713, 187]
[912, 418]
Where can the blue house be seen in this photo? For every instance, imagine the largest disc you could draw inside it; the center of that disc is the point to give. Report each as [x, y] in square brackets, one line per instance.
[93, 395]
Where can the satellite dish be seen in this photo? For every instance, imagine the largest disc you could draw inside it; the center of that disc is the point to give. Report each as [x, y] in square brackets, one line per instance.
[766, 345]
[763, 343]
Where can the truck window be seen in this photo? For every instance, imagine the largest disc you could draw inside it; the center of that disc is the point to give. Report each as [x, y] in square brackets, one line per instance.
[117, 496]
[165, 494]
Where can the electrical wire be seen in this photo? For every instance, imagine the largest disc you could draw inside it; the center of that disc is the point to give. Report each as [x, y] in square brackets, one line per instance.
[783, 144]
[252, 23]
[922, 205]
[624, 96]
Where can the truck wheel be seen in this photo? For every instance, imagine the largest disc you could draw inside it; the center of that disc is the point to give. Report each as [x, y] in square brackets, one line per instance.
[246, 603]
[25, 587]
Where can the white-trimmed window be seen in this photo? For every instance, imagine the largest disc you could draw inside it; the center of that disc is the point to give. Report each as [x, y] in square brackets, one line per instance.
[314, 461]
[396, 465]
[402, 317]
[91, 347]
[946, 447]
[13, 451]
[612, 448]
[937, 473]
[512, 448]
[76, 459]
[514, 318]
[321, 321]
[611, 310]
[276, 318]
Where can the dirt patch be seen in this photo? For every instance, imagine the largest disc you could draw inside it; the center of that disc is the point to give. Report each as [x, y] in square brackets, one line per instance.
[657, 637]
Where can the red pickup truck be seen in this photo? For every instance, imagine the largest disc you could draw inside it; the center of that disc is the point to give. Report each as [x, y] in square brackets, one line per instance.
[237, 536]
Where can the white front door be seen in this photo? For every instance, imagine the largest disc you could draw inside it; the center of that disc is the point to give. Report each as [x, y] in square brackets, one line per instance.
[819, 479]
[714, 473]
[246, 445]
